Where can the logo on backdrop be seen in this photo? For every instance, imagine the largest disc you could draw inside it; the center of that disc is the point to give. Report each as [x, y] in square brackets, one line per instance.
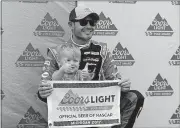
[2, 31]
[49, 27]
[159, 87]
[175, 118]
[34, 1]
[175, 2]
[105, 27]
[2, 95]
[30, 58]
[121, 56]
[159, 27]
[123, 1]
[175, 59]
[32, 119]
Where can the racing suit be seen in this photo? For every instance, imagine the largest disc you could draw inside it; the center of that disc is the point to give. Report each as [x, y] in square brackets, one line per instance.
[99, 61]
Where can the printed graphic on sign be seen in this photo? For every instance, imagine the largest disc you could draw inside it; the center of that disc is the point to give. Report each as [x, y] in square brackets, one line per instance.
[32, 119]
[175, 59]
[175, 119]
[123, 1]
[2, 31]
[175, 2]
[49, 27]
[71, 99]
[30, 58]
[159, 87]
[84, 104]
[121, 56]
[2, 95]
[71, 95]
[159, 27]
[105, 27]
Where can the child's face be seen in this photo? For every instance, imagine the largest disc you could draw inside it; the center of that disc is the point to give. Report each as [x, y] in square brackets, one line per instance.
[71, 60]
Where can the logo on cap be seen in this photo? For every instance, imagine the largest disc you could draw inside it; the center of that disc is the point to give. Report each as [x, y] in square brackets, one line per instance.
[87, 10]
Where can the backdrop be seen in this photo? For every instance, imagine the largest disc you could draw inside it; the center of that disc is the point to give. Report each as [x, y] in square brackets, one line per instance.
[30, 27]
[143, 38]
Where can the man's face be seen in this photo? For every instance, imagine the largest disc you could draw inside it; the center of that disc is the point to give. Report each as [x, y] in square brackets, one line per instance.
[83, 29]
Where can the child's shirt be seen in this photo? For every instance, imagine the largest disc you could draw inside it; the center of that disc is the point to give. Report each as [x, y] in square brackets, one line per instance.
[77, 76]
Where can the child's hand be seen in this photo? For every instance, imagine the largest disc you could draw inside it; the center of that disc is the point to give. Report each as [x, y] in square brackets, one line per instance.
[66, 67]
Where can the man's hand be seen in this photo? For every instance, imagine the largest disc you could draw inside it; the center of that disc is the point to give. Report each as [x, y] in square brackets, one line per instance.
[125, 85]
[45, 89]
[85, 73]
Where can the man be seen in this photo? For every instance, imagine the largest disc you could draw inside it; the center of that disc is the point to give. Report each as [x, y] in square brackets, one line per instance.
[82, 22]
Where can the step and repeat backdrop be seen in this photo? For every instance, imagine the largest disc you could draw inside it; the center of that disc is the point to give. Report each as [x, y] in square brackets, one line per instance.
[29, 27]
[143, 37]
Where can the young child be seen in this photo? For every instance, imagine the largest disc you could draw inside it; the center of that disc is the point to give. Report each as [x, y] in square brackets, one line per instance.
[69, 57]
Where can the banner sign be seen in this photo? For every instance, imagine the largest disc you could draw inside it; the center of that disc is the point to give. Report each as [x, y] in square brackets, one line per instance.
[84, 104]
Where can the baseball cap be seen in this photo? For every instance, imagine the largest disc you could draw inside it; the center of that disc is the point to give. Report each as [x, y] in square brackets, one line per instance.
[81, 12]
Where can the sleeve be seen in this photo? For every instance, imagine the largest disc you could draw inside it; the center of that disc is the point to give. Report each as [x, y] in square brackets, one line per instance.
[110, 70]
[50, 66]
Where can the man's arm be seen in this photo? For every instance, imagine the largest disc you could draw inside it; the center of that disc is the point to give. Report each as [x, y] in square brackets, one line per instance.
[109, 69]
[111, 72]
[50, 66]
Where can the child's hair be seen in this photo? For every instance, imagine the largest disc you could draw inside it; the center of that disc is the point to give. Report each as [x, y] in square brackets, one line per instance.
[71, 48]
